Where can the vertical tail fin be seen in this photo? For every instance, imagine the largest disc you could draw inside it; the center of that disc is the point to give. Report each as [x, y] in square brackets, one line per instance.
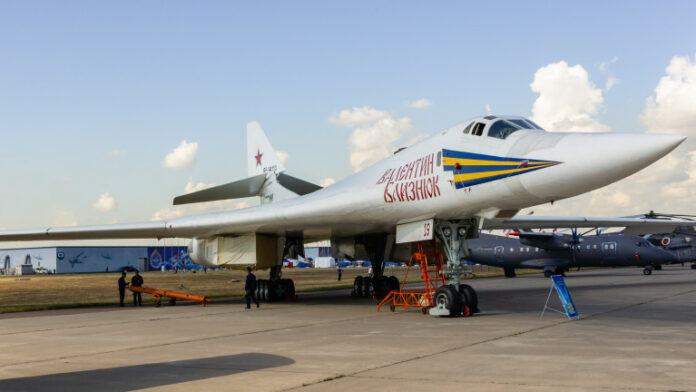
[261, 157]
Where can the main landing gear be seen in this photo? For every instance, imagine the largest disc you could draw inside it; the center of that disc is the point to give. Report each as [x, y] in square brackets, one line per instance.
[272, 291]
[374, 287]
[648, 269]
[275, 288]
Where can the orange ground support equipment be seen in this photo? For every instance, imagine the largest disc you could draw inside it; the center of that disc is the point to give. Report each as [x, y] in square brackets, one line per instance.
[430, 261]
[172, 295]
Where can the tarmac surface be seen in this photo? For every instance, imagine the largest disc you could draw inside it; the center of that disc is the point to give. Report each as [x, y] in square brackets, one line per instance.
[636, 333]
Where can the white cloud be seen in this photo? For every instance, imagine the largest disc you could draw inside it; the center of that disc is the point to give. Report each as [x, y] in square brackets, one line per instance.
[668, 185]
[349, 118]
[672, 107]
[198, 208]
[326, 182]
[568, 100]
[605, 64]
[420, 103]
[183, 156]
[283, 156]
[376, 134]
[116, 153]
[611, 82]
[105, 203]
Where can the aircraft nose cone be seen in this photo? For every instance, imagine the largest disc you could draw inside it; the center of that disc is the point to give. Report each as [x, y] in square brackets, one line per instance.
[635, 152]
[590, 161]
[619, 155]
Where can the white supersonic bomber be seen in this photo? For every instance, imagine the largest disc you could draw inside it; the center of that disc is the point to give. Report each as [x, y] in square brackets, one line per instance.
[476, 175]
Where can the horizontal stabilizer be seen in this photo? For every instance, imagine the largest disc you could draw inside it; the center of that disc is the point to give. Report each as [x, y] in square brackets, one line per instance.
[247, 187]
[301, 187]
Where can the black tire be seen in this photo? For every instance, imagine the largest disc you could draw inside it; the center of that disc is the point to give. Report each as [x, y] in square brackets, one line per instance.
[290, 287]
[509, 272]
[693, 266]
[548, 273]
[647, 271]
[657, 267]
[449, 298]
[358, 286]
[464, 301]
[266, 290]
[472, 296]
[367, 288]
[393, 283]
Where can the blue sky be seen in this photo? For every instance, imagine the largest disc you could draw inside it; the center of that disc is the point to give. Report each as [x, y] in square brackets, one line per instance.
[81, 79]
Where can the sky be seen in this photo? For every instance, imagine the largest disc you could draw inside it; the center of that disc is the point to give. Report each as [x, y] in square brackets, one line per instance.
[110, 109]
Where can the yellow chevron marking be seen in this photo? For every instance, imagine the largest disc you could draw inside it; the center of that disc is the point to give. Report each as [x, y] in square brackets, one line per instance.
[476, 176]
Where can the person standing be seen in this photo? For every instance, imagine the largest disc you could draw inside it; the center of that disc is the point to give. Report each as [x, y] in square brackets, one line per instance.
[122, 284]
[137, 281]
[339, 272]
[250, 288]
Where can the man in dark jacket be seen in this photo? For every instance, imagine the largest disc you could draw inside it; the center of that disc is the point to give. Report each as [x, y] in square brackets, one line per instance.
[137, 281]
[250, 288]
[122, 284]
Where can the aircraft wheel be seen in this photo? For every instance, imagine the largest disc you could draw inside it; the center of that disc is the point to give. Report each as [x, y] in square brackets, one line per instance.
[509, 272]
[470, 293]
[393, 283]
[367, 288]
[548, 273]
[290, 287]
[647, 271]
[357, 286]
[380, 284]
[464, 301]
[258, 289]
[693, 266]
[657, 267]
[448, 298]
[266, 290]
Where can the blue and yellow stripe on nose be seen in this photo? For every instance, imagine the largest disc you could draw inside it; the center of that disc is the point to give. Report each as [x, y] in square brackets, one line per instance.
[472, 169]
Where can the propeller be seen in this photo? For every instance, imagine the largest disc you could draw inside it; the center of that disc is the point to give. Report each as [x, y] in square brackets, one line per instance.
[575, 242]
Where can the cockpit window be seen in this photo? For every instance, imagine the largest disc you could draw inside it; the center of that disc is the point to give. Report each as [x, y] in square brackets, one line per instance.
[478, 129]
[468, 128]
[501, 129]
[533, 123]
[522, 124]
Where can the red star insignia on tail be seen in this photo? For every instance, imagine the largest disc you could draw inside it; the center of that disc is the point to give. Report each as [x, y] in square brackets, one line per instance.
[258, 157]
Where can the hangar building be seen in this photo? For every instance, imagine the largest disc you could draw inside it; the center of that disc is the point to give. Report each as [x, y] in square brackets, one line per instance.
[81, 259]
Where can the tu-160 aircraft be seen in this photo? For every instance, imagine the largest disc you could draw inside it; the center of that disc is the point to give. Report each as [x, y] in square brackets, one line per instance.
[475, 175]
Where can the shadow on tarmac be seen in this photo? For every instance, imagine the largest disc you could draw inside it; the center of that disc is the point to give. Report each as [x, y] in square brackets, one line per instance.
[150, 375]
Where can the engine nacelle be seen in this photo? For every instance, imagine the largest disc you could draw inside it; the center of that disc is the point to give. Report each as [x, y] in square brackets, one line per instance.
[198, 253]
[239, 251]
